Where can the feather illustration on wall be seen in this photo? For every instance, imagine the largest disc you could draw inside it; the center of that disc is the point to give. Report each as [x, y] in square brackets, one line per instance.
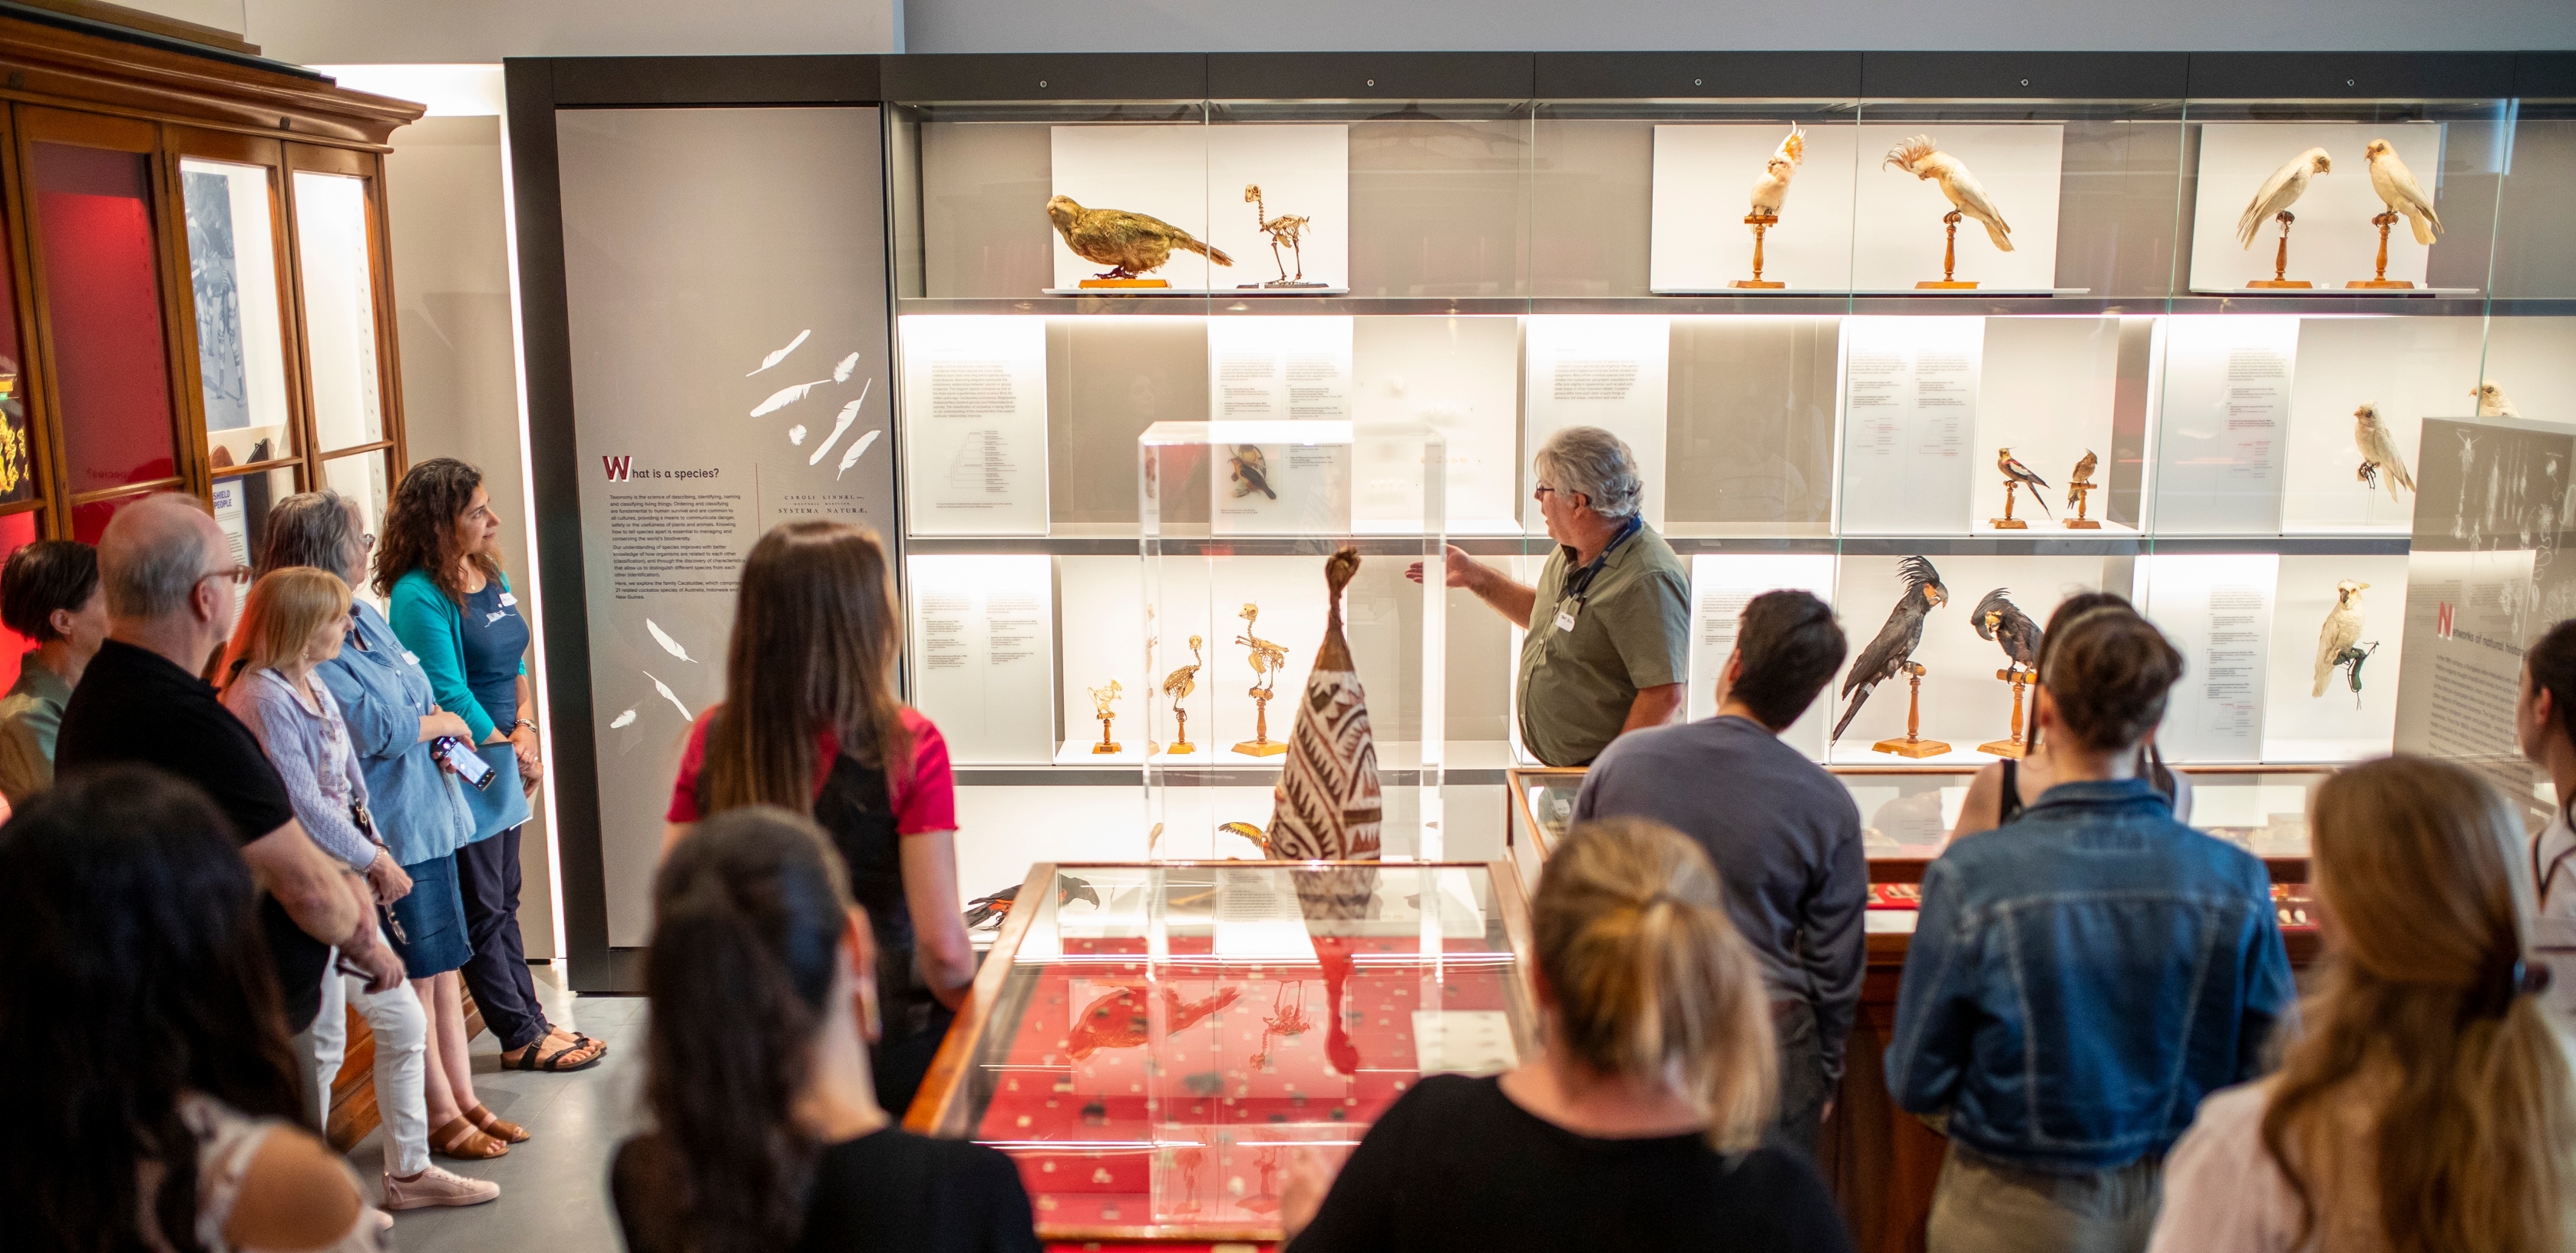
[671, 696]
[796, 435]
[851, 457]
[841, 372]
[626, 719]
[840, 422]
[784, 397]
[781, 355]
[668, 644]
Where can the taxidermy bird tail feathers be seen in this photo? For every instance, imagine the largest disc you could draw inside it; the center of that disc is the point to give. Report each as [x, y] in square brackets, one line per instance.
[1995, 232]
[1182, 240]
[1852, 710]
[1904, 155]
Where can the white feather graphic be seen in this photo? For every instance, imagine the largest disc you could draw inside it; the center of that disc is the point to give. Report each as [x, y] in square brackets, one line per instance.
[851, 457]
[626, 719]
[784, 397]
[841, 372]
[667, 694]
[849, 414]
[668, 644]
[781, 355]
[796, 435]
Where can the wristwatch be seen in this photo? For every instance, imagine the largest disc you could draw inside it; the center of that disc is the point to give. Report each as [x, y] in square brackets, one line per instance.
[524, 722]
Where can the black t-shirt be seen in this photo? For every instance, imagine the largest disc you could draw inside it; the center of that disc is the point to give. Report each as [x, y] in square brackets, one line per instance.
[888, 1190]
[1455, 1165]
[133, 706]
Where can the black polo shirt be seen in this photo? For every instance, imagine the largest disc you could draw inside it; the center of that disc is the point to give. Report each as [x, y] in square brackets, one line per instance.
[134, 706]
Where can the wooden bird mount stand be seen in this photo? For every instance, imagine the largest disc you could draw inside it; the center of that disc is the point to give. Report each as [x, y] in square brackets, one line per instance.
[1913, 745]
[2379, 278]
[2009, 522]
[1182, 744]
[2083, 490]
[1106, 744]
[1949, 258]
[2281, 257]
[1261, 745]
[1760, 222]
[2010, 746]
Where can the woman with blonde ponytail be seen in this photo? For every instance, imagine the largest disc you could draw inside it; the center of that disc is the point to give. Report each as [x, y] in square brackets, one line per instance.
[2427, 1105]
[1637, 1125]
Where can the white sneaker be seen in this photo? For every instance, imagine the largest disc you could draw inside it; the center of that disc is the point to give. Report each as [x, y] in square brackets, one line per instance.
[435, 1186]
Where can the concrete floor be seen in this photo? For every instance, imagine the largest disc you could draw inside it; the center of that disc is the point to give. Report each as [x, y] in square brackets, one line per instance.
[554, 1187]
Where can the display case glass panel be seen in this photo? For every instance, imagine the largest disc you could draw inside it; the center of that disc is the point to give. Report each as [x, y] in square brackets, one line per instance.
[365, 479]
[95, 236]
[241, 505]
[1150, 1043]
[338, 266]
[241, 333]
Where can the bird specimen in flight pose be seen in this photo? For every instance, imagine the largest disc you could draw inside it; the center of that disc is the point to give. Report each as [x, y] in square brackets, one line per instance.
[2281, 191]
[1130, 244]
[2398, 189]
[2019, 473]
[2002, 621]
[1917, 157]
[2342, 629]
[2493, 403]
[1772, 189]
[1250, 471]
[1892, 652]
[2379, 455]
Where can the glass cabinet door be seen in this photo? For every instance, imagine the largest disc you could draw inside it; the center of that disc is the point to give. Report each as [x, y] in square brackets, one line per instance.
[240, 329]
[334, 248]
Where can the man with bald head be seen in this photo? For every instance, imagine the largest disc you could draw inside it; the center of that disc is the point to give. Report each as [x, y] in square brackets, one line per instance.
[171, 582]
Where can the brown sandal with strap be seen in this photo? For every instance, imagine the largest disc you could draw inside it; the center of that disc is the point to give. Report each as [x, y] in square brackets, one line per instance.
[495, 1126]
[457, 1139]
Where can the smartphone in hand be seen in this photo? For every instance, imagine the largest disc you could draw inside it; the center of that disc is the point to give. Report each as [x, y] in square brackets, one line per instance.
[469, 765]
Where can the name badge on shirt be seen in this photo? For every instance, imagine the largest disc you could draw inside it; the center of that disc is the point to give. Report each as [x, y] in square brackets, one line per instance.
[508, 600]
[1564, 619]
[411, 657]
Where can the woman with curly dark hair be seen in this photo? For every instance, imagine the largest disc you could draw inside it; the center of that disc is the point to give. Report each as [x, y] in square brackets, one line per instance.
[438, 566]
[156, 1101]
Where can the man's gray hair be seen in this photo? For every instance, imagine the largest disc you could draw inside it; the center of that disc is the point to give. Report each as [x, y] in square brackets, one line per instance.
[148, 577]
[1596, 463]
[308, 529]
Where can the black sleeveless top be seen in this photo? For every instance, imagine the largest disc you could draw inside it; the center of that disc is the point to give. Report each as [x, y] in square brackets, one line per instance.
[2011, 805]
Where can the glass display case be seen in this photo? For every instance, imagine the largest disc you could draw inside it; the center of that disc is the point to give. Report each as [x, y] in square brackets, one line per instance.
[1150, 1042]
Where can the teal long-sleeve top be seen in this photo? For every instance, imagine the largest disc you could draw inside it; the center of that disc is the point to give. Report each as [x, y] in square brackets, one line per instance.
[433, 627]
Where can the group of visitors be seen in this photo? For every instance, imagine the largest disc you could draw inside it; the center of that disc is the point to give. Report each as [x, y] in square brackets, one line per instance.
[2096, 1010]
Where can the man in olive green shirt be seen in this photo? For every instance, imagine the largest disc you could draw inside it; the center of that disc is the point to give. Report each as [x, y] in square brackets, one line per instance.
[1608, 649]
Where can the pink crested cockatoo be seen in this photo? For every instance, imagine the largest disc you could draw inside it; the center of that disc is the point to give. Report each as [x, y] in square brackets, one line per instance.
[1917, 157]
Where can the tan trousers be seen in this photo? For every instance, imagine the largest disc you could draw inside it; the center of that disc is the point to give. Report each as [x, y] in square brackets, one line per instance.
[1981, 1206]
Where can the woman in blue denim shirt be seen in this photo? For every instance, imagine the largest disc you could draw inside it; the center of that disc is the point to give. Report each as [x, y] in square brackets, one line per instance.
[419, 808]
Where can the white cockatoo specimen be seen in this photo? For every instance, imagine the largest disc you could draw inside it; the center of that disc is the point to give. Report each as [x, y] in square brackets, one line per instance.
[2342, 628]
[2398, 190]
[2379, 450]
[1917, 157]
[2281, 191]
[2493, 403]
[1772, 189]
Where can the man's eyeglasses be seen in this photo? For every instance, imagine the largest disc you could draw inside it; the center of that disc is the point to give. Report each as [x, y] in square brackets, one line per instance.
[1543, 490]
[240, 575]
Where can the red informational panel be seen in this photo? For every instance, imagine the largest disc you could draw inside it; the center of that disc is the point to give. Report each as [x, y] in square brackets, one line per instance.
[103, 298]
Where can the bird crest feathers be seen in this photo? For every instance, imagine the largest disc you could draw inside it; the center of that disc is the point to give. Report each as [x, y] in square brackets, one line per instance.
[1918, 573]
[1794, 148]
[1905, 155]
[1996, 601]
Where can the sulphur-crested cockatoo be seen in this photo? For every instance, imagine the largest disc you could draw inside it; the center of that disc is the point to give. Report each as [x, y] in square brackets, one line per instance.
[2343, 626]
[1772, 189]
[2493, 403]
[2281, 191]
[1917, 157]
[2398, 190]
[2380, 450]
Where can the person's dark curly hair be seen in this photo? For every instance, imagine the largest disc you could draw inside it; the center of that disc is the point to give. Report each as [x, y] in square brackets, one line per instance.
[420, 528]
[132, 971]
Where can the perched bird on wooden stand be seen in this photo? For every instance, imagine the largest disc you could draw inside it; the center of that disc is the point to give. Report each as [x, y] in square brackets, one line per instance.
[2398, 189]
[2341, 630]
[1130, 244]
[2379, 456]
[2002, 621]
[2281, 191]
[2019, 473]
[1886, 656]
[1917, 157]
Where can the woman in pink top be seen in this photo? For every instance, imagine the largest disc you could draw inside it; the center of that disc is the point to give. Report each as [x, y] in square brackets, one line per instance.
[810, 723]
[2428, 1105]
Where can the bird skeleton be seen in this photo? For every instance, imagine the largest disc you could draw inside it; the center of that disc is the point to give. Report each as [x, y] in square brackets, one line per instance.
[2379, 456]
[1266, 659]
[2281, 191]
[1289, 229]
[2342, 627]
[1919, 158]
[2397, 188]
[1772, 189]
[1181, 682]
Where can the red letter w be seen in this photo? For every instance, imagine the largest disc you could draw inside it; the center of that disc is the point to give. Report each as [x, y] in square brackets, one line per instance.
[617, 467]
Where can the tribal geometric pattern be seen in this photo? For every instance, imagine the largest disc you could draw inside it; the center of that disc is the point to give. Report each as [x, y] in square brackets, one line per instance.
[1327, 805]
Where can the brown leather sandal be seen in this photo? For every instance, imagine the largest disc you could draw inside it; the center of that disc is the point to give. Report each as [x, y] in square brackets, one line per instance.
[495, 1126]
[458, 1140]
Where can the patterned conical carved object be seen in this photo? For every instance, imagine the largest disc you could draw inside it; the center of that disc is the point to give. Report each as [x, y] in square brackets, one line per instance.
[1326, 805]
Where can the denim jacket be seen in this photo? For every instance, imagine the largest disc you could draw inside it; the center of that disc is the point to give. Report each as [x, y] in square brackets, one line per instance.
[2081, 977]
[383, 695]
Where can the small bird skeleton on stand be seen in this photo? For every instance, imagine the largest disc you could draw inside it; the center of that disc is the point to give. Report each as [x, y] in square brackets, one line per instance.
[2379, 456]
[1769, 192]
[1892, 653]
[1967, 197]
[2341, 631]
[2002, 621]
[2079, 493]
[2405, 198]
[1267, 660]
[2278, 193]
[1130, 244]
[1178, 685]
[1101, 700]
[1286, 229]
[2016, 475]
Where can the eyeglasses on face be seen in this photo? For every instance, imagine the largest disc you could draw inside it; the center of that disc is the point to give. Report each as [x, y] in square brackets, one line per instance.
[240, 575]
